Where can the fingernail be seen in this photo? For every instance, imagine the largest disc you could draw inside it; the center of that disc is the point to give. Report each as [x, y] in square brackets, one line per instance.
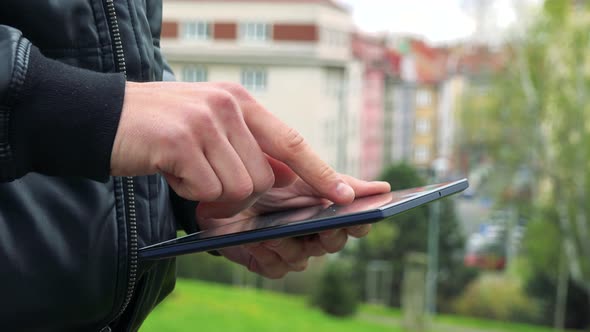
[344, 190]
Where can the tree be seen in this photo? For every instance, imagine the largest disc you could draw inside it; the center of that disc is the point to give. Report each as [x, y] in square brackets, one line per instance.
[543, 249]
[537, 119]
[392, 239]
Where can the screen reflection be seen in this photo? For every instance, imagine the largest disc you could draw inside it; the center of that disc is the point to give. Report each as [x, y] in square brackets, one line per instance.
[309, 214]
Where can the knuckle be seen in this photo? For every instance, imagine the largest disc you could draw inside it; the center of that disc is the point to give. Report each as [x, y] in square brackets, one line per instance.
[360, 231]
[226, 107]
[222, 100]
[293, 141]
[264, 183]
[240, 191]
[173, 135]
[271, 271]
[210, 192]
[184, 192]
[340, 245]
[235, 89]
[325, 172]
[294, 260]
[202, 119]
[209, 119]
[335, 245]
[317, 251]
[300, 266]
[231, 86]
[172, 143]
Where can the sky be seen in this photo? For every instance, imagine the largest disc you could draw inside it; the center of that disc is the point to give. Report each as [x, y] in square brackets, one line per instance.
[438, 21]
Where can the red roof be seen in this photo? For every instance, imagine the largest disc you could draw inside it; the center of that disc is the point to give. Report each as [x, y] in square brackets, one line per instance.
[481, 59]
[430, 62]
[330, 3]
[420, 47]
[372, 51]
[395, 60]
[367, 47]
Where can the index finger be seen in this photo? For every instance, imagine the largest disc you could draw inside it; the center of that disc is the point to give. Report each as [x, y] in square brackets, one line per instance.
[286, 144]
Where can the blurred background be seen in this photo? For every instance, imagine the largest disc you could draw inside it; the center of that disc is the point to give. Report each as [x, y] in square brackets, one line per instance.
[411, 92]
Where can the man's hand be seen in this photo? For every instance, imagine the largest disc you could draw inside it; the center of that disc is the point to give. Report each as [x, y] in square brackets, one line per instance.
[275, 258]
[214, 142]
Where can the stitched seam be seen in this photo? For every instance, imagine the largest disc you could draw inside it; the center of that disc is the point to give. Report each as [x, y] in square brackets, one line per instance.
[136, 36]
[21, 65]
[100, 46]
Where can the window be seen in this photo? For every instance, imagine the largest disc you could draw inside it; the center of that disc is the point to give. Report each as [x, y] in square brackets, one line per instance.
[423, 98]
[255, 31]
[422, 126]
[335, 37]
[194, 74]
[198, 30]
[254, 79]
[422, 154]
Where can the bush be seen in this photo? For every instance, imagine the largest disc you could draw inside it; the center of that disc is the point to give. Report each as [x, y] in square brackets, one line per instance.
[497, 297]
[206, 267]
[303, 283]
[335, 294]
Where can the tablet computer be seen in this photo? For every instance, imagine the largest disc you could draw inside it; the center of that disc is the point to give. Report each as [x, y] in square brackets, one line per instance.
[302, 221]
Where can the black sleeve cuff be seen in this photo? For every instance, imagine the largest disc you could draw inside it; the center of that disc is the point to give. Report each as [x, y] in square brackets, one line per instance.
[65, 121]
[185, 212]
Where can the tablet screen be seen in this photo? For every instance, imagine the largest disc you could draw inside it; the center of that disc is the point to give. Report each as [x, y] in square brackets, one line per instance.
[308, 214]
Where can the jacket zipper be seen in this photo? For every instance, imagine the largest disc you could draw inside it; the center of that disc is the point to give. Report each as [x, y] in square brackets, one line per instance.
[128, 184]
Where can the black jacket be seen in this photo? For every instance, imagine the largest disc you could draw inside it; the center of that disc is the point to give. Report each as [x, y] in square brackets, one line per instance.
[69, 232]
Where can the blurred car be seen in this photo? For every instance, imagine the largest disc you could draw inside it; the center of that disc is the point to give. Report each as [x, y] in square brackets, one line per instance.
[487, 248]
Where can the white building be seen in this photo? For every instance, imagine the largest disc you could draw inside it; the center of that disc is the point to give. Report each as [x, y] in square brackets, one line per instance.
[404, 100]
[293, 55]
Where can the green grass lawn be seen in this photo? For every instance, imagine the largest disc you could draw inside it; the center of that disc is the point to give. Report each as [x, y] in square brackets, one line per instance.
[201, 306]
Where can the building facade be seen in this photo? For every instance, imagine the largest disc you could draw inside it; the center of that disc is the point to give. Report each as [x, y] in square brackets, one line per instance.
[429, 78]
[361, 101]
[401, 92]
[371, 54]
[294, 56]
